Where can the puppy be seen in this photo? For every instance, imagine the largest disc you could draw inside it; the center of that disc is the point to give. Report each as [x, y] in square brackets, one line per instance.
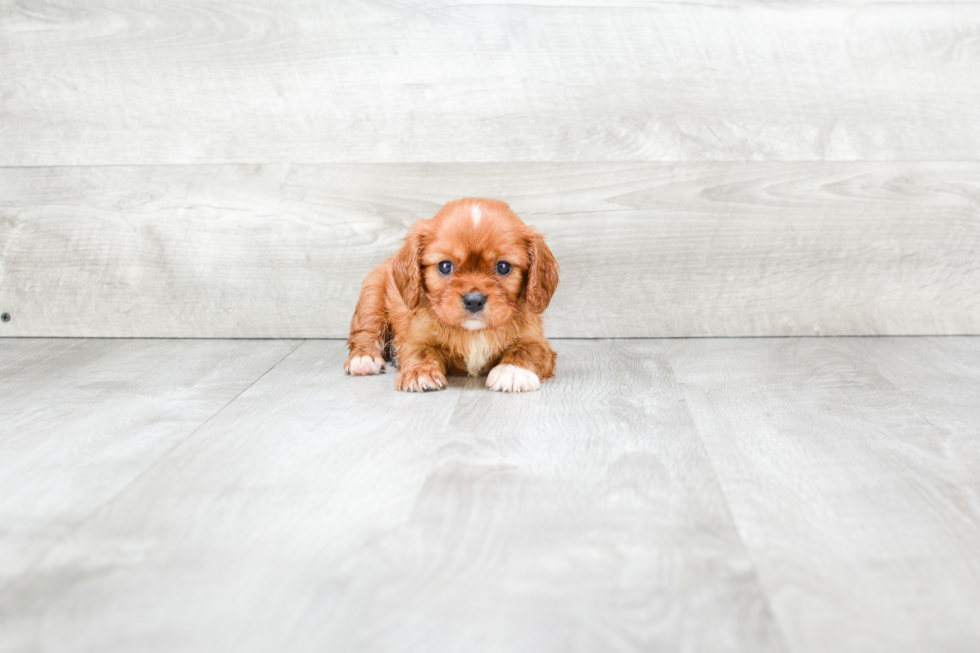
[464, 295]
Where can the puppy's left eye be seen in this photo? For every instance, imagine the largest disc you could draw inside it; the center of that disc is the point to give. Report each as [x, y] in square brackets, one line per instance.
[503, 268]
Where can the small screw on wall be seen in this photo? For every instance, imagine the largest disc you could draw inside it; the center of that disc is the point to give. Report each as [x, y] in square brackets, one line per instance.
[4, 317]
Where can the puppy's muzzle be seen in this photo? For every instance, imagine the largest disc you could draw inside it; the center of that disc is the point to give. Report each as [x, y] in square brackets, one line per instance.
[474, 302]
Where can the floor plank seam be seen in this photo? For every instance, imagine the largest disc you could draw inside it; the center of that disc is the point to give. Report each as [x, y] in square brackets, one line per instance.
[29, 568]
[777, 627]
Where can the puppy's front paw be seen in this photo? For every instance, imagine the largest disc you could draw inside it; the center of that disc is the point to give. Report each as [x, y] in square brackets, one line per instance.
[510, 378]
[420, 380]
[364, 365]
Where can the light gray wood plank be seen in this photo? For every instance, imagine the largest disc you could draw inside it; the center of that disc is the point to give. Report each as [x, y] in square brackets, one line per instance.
[321, 512]
[697, 249]
[578, 518]
[136, 82]
[943, 377]
[862, 516]
[82, 419]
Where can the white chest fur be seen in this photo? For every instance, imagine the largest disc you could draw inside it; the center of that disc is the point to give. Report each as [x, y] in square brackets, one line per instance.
[478, 353]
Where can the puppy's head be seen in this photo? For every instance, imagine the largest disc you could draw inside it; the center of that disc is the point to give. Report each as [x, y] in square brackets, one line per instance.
[476, 264]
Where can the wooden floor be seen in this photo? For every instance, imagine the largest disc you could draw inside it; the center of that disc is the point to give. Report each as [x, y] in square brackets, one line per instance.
[659, 495]
[233, 169]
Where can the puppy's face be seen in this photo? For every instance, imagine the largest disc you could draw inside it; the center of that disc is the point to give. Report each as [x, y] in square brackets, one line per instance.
[477, 264]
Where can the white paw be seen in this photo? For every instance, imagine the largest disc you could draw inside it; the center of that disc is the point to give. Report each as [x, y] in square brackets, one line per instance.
[510, 378]
[364, 365]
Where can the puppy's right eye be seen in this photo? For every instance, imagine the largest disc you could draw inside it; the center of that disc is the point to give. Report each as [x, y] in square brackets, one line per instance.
[446, 267]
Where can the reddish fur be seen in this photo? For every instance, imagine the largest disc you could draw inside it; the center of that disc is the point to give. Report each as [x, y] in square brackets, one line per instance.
[405, 300]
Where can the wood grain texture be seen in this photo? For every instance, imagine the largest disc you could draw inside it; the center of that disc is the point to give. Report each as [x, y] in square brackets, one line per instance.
[322, 512]
[700, 249]
[216, 81]
[859, 499]
[943, 377]
[82, 419]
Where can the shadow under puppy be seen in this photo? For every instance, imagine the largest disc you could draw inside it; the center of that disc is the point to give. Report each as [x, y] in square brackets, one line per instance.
[463, 295]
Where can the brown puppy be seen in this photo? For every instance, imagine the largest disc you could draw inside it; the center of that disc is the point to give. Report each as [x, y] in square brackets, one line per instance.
[464, 295]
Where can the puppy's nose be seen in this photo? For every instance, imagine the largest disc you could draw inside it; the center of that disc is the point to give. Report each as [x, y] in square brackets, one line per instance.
[474, 302]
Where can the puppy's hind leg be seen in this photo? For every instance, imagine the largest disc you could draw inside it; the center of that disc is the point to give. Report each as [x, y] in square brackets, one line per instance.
[369, 328]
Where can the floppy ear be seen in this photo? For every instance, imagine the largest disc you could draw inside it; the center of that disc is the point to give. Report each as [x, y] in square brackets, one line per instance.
[406, 267]
[542, 274]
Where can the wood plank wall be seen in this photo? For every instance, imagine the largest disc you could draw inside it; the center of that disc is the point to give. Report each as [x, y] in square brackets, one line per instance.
[233, 168]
